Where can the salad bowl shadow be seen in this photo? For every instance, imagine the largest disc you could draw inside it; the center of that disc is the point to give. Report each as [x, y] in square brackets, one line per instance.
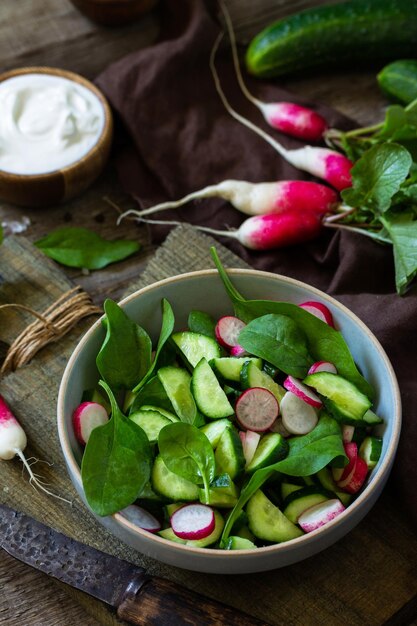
[203, 290]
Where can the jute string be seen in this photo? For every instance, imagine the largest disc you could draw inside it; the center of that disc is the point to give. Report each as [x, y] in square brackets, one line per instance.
[52, 324]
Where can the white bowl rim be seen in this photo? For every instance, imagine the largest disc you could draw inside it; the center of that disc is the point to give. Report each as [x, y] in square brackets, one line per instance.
[210, 553]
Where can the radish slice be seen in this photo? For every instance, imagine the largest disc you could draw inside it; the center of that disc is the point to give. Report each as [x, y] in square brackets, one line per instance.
[320, 514]
[238, 351]
[227, 331]
[302, 391]
[193, 521]
[249, 444]
[257, 409]
[86, 417]
[347, 433]
[343, 473]
[140, 517]
[322, 366]
[356, 478]
[318, 310]
[298, 417]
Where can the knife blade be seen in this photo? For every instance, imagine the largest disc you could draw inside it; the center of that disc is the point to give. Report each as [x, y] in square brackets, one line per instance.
[140, 599]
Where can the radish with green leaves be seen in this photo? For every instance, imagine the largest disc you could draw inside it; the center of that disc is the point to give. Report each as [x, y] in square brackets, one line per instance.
[287, 117]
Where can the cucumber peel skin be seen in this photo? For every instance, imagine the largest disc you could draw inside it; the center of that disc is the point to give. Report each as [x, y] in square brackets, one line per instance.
[356, 31]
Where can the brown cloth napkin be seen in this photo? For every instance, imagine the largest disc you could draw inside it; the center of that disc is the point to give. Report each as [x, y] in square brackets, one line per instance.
[181, 139]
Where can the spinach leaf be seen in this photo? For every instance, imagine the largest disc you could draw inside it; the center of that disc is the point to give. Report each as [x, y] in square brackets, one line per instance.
[152, 393]
[116, 463]
[277, 339]
[80, 247]
[125, 355]
[402, 229]
[186, 451]
[202, 323]
[377, 176]
[167, 326]
[324, 342]
[307, 455]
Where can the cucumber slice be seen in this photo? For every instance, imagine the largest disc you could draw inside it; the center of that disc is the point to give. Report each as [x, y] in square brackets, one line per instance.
[208, 394]
[239, 543]
[271, 449]
[229, 368]
[214, 430]
[370, 450]
[170, 485]
[267, 522]
[252, 376]
[287, 488]
[346, 403]
[229, 454]
[245, 533]
[168, 533]
[176, 383]
[195, 346]
[152, 393]
[171, 416]
[222, 493]
[372, 419]
[299, 501]
[151, 422]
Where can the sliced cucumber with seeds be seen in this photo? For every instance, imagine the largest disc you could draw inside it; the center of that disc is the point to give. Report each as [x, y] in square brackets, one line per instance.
[346, 403]
[370, 451]
[176, 382]
[229, 368]
[152, 422]
[271, 449]
[195, 346]
[208, 394]
[229, 454]
[214, 430]
[252, 376]
[267, 522]
[299, 501]
[170, 485]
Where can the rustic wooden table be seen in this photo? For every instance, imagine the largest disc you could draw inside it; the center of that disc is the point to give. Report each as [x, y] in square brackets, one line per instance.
[52, 32]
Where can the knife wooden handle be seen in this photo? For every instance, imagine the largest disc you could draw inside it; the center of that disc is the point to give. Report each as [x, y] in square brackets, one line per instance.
[159, 602]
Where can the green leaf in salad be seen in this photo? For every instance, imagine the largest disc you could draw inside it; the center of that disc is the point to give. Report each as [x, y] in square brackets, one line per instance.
[187, 452]
[307, 455]
[402, 229]
[152, 393]
[277, 339]
[377, 176]
[324, 342]
[125, 355]
[202, 323]
[83, 248]
[116, 464]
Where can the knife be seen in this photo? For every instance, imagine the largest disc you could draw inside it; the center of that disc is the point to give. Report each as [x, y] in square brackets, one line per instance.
[138, 598]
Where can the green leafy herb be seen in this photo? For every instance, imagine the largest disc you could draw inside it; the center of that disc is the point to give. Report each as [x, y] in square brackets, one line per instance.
[186, 451]
[307, 455]
[167, 326]
[125, 355]
[402, 229]
[277, 339]
[83, 248]
[202, 323]
[324, 342]
[116, 463]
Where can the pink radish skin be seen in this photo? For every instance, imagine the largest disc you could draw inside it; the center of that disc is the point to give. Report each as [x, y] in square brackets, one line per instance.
[13, 441]
[319, 515]
[302, 391]
[322, 366]
[238, 351]
[257, 409]
[319, 310]
[260, 198]
[193, 521]
[86, 417]
[227, 331]
[295, 120]
[347, 433]
[357, 478]
[343, 474]
[249, 444]
[140, 517]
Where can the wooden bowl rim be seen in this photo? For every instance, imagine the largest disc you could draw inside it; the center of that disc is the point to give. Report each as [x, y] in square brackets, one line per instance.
[95, 149]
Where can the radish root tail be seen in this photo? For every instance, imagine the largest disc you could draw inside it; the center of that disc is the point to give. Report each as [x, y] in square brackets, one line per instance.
[35, 480]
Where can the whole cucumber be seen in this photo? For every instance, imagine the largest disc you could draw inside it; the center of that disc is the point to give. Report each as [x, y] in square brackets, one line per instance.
[398, 80]
[355, 31]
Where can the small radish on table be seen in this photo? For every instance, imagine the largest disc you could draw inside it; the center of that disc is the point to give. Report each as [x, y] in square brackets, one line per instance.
[287, 117]
[13, 442]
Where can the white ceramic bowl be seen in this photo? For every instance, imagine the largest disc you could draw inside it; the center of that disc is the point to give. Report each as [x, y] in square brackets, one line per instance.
[203, 290]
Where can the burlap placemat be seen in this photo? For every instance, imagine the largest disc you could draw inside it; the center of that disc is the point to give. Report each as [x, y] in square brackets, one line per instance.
[304, 593]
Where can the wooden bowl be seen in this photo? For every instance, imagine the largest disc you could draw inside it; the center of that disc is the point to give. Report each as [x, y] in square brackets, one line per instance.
[39, 190]
[114, 12]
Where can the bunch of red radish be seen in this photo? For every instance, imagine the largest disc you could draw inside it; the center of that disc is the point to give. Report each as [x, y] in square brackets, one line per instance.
[284, 212]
